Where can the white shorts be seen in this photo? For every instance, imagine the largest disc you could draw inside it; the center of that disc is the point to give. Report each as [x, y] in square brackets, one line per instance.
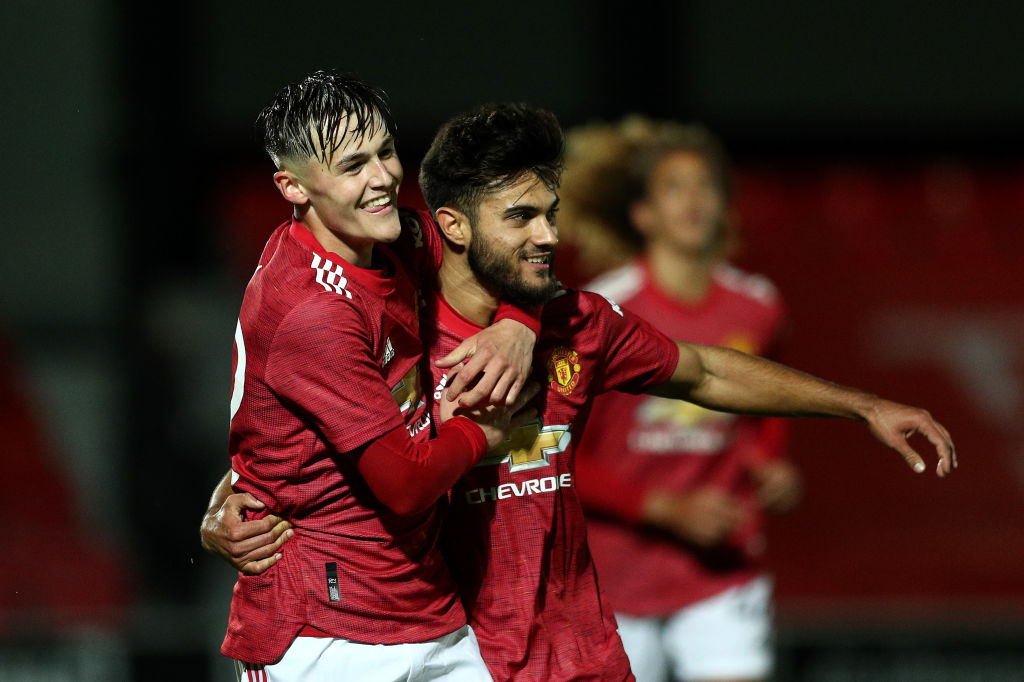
[727, 636]
[455, 657]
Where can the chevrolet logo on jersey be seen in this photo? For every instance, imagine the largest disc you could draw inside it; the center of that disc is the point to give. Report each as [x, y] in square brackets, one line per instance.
[407, 391]
[530, 446]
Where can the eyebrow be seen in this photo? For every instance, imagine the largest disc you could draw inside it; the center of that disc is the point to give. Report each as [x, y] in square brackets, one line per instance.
[362, 154]
[518, 208]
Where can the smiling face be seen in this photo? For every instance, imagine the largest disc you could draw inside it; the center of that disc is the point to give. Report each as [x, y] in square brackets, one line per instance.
[512, 249]
[349, 200]
[682, 207]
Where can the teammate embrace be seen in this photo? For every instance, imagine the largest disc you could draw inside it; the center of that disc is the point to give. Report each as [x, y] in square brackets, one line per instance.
[319, 438]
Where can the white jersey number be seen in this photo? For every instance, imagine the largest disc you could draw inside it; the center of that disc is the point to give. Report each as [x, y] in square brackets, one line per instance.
[238, 386]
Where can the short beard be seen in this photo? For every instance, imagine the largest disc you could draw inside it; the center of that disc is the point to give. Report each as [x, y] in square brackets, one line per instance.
[501, 276]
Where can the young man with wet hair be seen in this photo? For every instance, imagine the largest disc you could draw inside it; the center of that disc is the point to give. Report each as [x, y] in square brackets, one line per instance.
[329, 428]
[514, 534]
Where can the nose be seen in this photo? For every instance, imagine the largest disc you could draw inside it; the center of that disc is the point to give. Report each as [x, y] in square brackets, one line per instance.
[545, 234]
[383, 175]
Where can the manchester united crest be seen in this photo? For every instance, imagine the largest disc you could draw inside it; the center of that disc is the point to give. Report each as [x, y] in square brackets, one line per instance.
[564, 370]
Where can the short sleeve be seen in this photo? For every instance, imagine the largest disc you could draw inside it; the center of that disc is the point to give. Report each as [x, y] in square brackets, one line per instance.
[637, 356]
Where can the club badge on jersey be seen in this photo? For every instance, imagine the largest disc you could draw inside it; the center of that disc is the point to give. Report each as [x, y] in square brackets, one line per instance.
[564, 370]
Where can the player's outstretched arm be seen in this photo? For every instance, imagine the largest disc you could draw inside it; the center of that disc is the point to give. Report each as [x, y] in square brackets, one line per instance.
[501, 356]
[250, 546]
[731, 381]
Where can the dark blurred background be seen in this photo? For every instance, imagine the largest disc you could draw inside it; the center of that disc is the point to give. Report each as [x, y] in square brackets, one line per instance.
[880, 185]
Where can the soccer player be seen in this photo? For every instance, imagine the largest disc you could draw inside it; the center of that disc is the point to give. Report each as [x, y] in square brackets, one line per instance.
[680, 556]
[514, 534]
[328, 426]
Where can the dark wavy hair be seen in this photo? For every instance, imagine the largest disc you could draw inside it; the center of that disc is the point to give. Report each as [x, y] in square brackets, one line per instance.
[303, 119]
[488, 149]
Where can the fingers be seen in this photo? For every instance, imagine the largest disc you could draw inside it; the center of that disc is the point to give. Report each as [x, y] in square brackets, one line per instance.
[486, 381]
[238, 530]
[257, 567]
[248, 541]
[462, 351]
[239, 501]
[943, 448]
[896, 424]
[262, 545]
[513, 390]
[946, 446]
[525, 396]
[501, 394]
[283, 532]
[493, 377]
[493, 365]
[263, 556]
[466, 373]
[910, 456]
[940, 439]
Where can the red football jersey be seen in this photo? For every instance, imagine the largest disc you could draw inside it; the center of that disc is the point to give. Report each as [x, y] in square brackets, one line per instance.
[326, 361]
[646, 442]
[514, 534]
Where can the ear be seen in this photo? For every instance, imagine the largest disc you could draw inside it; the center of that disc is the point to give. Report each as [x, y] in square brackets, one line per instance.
[640, 216]
[290, 187]
[454, 225]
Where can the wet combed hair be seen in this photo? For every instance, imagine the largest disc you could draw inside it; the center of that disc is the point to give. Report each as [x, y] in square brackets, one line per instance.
[303, 119]
[488, 149]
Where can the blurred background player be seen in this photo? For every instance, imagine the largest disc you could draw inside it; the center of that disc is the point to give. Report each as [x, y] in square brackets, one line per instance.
[674, 492]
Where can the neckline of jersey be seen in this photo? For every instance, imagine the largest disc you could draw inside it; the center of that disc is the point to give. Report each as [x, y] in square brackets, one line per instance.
[379, 279]
[714, 291]
[452, 319]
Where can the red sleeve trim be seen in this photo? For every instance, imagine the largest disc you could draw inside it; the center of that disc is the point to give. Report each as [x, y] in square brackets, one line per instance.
[409, 477]
[529, 316]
